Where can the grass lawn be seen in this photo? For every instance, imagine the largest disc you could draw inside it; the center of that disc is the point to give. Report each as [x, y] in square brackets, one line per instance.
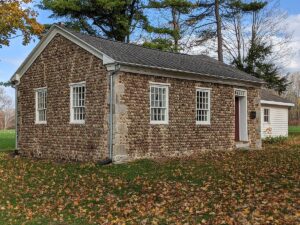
[7, 140]
[294, 130]
[244, 187]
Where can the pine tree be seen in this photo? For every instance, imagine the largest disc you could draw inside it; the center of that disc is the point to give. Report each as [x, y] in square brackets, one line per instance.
[256, 63]
[160, 43]
[169, 35]
[114, 19]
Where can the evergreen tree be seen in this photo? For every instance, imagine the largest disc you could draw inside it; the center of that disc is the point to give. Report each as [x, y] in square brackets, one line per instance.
[115, 19]
[256, 63]
[211, 28]
[168, 35]
[160, 43]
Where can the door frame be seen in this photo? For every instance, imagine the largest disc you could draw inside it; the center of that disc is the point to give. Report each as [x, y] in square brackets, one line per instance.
[241, 94]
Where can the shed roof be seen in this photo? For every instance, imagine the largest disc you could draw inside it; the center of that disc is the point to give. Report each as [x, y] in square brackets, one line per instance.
[267, 96]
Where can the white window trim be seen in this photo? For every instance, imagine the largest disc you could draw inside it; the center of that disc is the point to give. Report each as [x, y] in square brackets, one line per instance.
[37, 121]
[165, 85]
[72, 85]
[209, 106]
[269, 115]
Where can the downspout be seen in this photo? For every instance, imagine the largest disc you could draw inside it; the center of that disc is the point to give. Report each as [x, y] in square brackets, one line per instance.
[112, 72]
[16, 117]
[110, 136]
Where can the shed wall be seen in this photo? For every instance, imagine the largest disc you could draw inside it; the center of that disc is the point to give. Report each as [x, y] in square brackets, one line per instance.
[278, 124]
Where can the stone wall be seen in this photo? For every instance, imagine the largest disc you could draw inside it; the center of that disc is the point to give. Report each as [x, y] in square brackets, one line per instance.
[61, 63]
[181, 136]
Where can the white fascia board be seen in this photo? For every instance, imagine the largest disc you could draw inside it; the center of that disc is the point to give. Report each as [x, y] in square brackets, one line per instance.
[54, 30]
[276, 103]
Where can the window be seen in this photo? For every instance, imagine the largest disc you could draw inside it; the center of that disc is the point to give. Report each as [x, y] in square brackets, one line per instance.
[159, 98]
[203, 106]
[266, 115]
[77, 95]
[41, 105]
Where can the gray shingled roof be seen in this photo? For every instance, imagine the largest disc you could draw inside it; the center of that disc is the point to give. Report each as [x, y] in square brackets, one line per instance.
[268, 96]
[135, 54]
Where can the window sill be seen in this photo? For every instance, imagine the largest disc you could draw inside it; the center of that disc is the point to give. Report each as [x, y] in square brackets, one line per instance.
[203, 123]
[159, 122]
[40, 123]
[77, 122]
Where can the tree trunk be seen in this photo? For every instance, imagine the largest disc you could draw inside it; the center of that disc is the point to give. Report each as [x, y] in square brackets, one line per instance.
[176, 29]
[219, 30]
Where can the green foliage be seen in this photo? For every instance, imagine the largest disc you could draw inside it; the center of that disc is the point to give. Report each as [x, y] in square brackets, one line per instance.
[7, 140]
[294, 130]
[159, 43]
[5, 84]
[275, 140]
[242, 6]
[173, 31]
[115, 19]
[256, 63]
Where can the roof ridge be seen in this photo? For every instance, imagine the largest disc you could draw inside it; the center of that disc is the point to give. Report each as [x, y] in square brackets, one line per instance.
[135, 53]
[134, 44]
[153, 49]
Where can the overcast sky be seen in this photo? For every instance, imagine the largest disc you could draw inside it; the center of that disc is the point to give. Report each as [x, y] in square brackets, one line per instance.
[11, 57]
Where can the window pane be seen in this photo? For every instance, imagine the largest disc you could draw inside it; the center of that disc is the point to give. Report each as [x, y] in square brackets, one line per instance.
[202, 105]
[41, 110]
[158, 103]
[78, 103]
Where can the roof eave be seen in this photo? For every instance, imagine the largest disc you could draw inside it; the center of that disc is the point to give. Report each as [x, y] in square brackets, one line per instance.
[276, 103]
[256, 83]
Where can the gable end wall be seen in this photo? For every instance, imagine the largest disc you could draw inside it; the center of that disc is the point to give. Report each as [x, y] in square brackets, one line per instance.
[61, 63]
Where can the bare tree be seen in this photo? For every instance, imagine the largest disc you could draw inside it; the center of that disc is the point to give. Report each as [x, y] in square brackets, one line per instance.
[219, 30]
[6, 109]
[268, 25]
[293, 93]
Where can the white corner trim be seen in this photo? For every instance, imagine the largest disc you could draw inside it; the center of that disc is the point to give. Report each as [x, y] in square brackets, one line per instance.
[54, 30]
[276, 103]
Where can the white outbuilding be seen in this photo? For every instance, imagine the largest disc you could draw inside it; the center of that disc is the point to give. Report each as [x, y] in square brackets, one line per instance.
[274, 115]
